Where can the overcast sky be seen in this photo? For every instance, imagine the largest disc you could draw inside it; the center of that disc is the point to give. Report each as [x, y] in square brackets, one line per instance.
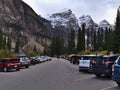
[98, 9]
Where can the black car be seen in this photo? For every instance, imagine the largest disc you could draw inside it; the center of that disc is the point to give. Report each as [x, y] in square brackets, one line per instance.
[103, 66]
[75, 59]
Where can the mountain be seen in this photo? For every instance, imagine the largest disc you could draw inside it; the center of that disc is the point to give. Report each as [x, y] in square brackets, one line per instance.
[88, 21]
[18, 20]
[105, 24]
[63, 22]
[91, 27]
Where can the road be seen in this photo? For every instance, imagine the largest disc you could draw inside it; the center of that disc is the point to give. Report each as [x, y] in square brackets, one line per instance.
[57, 74]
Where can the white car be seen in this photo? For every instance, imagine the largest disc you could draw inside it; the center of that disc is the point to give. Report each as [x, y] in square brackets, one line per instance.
[85, 63]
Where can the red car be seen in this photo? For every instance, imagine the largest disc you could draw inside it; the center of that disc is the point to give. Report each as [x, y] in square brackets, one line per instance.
[9, 63]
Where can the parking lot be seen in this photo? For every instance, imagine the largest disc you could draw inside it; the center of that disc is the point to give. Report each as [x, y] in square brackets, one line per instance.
[57, 74]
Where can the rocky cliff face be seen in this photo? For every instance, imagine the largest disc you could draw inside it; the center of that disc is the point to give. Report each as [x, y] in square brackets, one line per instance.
[63, 22]
[17, 19]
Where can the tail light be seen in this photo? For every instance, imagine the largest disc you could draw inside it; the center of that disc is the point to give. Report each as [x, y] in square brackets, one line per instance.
[107, 62]
[112, 68]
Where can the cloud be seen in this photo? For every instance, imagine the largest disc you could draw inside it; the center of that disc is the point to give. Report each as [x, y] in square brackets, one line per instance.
[98, 9]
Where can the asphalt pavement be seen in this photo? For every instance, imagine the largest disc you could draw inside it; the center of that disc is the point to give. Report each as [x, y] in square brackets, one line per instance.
[57, 74]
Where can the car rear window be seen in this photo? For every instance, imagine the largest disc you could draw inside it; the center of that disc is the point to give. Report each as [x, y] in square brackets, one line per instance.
[112, 59]
[87, 58]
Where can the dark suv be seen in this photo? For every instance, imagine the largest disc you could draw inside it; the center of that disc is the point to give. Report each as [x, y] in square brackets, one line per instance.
[9, 63]
[104, 65]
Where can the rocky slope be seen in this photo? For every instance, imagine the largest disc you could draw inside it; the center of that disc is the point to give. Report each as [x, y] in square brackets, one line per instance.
[17, 19]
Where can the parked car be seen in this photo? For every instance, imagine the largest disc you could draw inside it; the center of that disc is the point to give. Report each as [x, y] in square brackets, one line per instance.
[33, 61]
[9, 63]
[116, 71]
[24, 60]
[74, 59]
[85, 63]
[103, 66]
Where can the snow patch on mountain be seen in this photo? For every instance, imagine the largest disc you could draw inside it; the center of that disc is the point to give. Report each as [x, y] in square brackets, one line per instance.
[105, 24]
[87, 20]
[62, 18]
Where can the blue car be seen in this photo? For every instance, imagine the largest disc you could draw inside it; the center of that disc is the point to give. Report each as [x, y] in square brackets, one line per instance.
[116, 71]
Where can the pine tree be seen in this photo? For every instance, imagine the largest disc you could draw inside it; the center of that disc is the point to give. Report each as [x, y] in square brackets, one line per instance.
[9, 43]
[17, 46]
[95, 41]
[116, 35]
[4, 42]
[1, 39]
[83, 37]
[56, 46]
[34, 49]
[79, 40]
[71, 42]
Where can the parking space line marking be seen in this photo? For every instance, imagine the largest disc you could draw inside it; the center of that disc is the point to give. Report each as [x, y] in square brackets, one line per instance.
[109, 87]
[83, 79]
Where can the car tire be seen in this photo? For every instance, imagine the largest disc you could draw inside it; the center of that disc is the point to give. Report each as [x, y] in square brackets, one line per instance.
[27, 66]
[98, 75]
[5, 69]
[18, 69]
[118, 83]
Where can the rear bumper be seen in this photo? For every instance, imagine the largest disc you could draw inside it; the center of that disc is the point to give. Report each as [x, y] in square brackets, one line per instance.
[115, 77]
[105, 71]
[85, 69]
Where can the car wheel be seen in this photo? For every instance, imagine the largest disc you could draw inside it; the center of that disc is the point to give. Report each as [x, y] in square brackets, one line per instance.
[27, 66]
[98, 75]
[18, 69]
[5, 69]
[118, 83]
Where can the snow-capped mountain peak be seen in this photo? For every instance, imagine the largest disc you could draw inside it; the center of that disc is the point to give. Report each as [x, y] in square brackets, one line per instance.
[104, 24]
[87, 20]
[63, 18]
[65, 10]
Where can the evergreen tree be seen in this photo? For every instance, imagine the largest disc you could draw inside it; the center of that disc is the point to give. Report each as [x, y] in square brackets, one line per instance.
[71, 42]
[1, 39]
[34, 49]
[17, 46]
[4, 42]
[95, 41]
[83, 37]
[100, 39]
[9, 43]
[52, 47]
[79, 40]
[116, 35]
[56, 46]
